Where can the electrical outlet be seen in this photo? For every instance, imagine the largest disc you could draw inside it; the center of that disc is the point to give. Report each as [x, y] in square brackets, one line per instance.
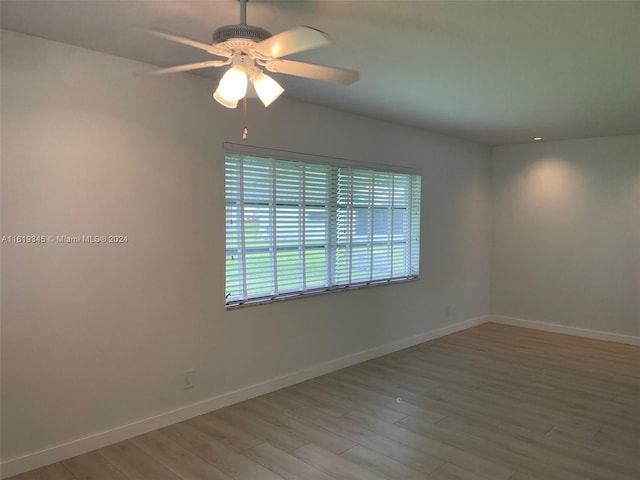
[447, 312]
[189, 379]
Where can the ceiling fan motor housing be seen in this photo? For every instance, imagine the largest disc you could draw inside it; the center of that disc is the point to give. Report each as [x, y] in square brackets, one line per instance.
[244, 32]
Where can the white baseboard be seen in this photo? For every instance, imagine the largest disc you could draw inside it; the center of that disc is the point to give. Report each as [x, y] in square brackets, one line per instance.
[82, 445]
[565, 329]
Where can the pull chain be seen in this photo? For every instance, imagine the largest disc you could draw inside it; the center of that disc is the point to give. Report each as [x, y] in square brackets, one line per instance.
[245, 132]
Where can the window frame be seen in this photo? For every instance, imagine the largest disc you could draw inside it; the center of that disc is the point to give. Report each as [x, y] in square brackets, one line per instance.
[330, 245]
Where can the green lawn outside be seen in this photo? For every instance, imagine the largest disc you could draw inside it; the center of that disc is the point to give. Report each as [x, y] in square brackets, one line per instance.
[289, 263]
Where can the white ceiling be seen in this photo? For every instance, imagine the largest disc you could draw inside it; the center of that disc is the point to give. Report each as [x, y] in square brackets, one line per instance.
[493, 72]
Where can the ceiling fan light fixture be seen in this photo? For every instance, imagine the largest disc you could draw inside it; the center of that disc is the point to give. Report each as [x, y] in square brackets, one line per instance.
[247, 48]
[232, 86]
[267, 88]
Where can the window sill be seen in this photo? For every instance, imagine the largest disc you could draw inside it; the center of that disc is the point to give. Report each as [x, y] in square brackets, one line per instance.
[298, 295]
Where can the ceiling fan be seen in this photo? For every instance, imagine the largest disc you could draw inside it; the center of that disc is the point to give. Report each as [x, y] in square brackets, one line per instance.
[248, 48]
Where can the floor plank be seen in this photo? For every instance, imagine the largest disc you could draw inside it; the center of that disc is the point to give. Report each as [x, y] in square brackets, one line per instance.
[382, 464]
[301, 429]
[334, 465]
[133, 462]
[57, 471]
[285, 464]
[451, 472]
[180, 460]
[93, 466]
[224, 458]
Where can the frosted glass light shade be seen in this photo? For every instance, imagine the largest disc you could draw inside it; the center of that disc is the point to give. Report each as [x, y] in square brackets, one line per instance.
[223, 101]
[267, 88]
[232, 87]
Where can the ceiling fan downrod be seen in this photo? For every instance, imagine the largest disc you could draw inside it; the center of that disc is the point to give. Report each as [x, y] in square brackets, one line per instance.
[243, 12]
[242, 31]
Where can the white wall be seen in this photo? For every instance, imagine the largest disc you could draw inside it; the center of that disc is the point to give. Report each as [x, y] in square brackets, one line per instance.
[96, 336]
[566, 233]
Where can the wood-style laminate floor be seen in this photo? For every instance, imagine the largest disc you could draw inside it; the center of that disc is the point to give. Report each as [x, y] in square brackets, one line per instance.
[493, 402]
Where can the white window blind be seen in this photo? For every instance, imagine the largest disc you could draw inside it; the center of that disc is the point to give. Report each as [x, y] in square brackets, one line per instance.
[298, 227]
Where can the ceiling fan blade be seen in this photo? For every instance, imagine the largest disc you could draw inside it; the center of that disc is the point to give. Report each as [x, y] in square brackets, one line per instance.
[191, 66]
[185, 41]
[316, 72]
[295, 40]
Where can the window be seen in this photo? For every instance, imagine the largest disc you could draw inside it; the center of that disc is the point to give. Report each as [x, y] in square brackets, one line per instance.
[297, 224]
